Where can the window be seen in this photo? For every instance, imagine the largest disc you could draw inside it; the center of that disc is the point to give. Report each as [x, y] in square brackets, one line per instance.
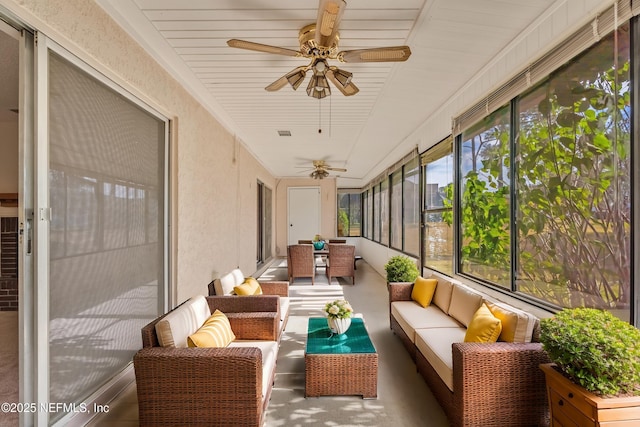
[411, 207]
[396, 209]
[404, 207]
[384, 212]
[485, 237]
[545, 185]
[368, 204]
[376, 213]
[573, 186]
[349, 214]
[438, 208]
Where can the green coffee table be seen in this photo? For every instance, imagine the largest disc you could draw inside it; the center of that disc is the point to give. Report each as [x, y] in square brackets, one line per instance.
[337, 365]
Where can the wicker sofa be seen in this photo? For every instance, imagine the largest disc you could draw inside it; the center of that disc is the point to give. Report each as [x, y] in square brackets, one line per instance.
[228, 386]
[224, 286]
[477, 384]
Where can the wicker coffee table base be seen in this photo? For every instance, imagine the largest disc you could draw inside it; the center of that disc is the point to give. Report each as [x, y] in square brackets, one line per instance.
[341, 375]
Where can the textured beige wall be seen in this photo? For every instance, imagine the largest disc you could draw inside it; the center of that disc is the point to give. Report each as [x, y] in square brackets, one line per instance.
[328, 197]
[214, 176]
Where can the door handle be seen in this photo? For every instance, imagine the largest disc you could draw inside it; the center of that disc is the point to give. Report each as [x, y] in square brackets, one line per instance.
[29, 230]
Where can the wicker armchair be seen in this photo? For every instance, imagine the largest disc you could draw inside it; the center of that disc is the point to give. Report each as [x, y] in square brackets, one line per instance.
[300, 262]
[341, 262]
[208, 386]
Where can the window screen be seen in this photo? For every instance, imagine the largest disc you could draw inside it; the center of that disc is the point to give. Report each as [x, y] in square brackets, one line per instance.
[106, 178]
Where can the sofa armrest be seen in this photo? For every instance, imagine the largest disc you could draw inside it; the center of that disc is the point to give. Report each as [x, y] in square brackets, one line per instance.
[400, 291]
[500, 378]
[255, 325]
[280, 288]
[210, 386]
[239, 304]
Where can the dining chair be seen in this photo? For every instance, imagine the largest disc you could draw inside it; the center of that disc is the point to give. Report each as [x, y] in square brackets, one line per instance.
[300, 262]
[340, 261]
[337, 240]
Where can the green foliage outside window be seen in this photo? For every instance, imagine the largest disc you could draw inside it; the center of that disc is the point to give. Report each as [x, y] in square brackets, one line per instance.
[485, 249]
[572, 187]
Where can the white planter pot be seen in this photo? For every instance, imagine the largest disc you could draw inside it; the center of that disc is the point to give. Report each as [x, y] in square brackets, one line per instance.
[339, 326]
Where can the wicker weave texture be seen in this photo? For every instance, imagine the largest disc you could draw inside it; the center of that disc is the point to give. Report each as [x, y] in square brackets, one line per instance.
[208, 386]
[300, 262]
[201, 386]
[500, 384]
[279, 288]
[341, 262]
[341, 374]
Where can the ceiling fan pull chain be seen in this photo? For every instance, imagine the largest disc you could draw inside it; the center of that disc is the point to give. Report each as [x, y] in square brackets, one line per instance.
[330, 115]
[319, 117]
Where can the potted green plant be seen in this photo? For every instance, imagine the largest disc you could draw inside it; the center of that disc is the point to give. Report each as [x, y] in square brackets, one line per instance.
[401, 268]
[595, 372]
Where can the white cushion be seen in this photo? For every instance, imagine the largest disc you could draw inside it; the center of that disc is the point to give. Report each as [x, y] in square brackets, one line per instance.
[517, 325]
[174, 329]
[411, 316]
[237, 276]
[269, 351]
[225, 284]
[464, 303]
[442, 296]
[435, 346]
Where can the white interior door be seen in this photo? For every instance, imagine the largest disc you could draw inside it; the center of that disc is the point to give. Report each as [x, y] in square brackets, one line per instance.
[304, 213]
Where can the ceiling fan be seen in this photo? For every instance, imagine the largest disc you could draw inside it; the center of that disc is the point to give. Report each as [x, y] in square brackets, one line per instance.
[321, 169]
[319, 43]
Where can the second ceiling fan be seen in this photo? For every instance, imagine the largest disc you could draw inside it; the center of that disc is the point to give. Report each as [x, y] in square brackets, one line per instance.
[319, 43]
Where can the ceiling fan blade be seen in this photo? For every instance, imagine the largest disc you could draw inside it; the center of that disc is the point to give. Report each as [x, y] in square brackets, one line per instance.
[336, 169]
[378, 54]
[329, 17]
[277, 85]
[348, 90]
[243, 44]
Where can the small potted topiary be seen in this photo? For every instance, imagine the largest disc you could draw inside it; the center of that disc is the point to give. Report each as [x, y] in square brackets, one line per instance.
[595, 372]
[401, 268]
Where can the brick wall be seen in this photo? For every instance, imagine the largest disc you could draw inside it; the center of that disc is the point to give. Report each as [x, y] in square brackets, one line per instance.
[8, 264]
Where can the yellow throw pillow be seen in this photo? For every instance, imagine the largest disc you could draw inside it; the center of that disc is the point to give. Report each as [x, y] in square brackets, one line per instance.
[250, 286]
[215, 332]
[484, 326]
[423, 290]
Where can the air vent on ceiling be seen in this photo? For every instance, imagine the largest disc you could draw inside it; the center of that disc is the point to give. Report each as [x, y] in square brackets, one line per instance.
[284, 132]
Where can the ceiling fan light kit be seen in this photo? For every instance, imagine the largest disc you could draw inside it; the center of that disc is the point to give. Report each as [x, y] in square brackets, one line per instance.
[319, 42]
[319, 174]
[318, 87]
[296, 77]
[343, 77]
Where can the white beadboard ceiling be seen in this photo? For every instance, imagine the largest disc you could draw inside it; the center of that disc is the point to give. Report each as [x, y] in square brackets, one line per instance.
[450, 40]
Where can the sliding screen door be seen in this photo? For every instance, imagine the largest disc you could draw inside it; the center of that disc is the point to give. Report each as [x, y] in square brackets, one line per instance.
[107, 262]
